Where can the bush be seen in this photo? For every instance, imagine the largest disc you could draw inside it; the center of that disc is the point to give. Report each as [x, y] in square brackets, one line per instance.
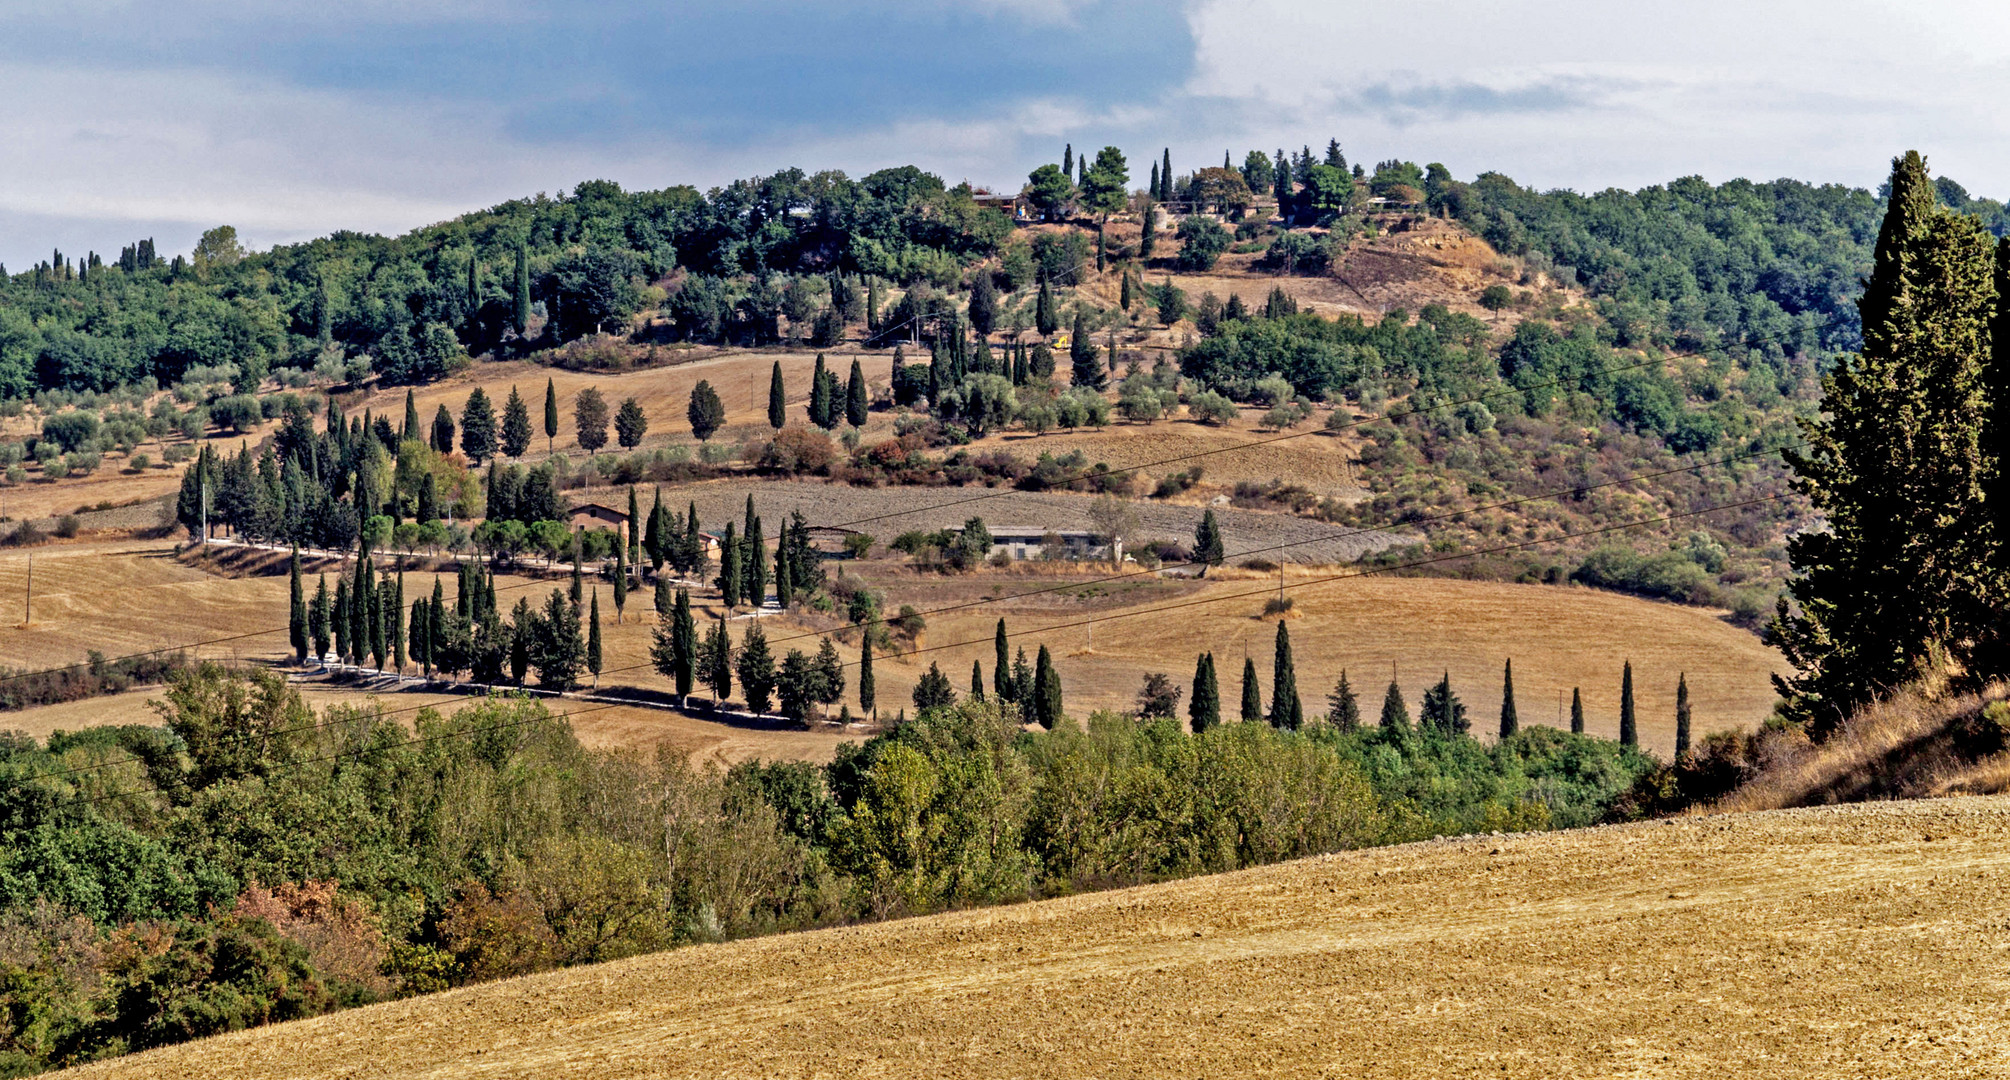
[66, 526]
[1212, 408]
[71, 430]
[1202, 240]
[239, 412]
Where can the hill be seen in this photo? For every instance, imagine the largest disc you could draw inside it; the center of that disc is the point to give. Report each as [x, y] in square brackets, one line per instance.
[1832, 942]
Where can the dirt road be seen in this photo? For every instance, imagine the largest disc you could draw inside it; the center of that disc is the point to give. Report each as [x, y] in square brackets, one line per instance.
[1841, 942]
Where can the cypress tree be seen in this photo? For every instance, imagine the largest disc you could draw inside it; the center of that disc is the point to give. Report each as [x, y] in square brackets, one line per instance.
[664, 601]
[1629, 731]
[321, 619]
[1166, 177]
[1286, 710]
[578, 590]
[1895, 463]
[658, 540]
[1087, 360]
[1343, 708]
[1204, 710]
[756, 580]
[395, 618]
[1395, 712]
[1045, 318]
[1510, 720]
[1576, 712]
[777, 413]
[820, 397]
[1001, 665]
[411, 428]
[516, 434]
[296, 610]
[520, 309]
[1207, 547]
[729, 568]
[634, 532]
[478, 427]
[550, 415]
[716, 660]
[1152, 186]
[976, 680]
[443, 431]
[620, 581]
[856, 406]
[422, 638]
[1681, 716]
[1252, 695]
[785, 586]
[342, 621]
[684, 638]
[1047, 691]
[593, 640]
[1442, 710]
[867, 689]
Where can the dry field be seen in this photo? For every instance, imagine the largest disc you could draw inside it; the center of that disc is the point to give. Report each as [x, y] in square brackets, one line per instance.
[1313, 459]
[125, 597]
[1847, 941]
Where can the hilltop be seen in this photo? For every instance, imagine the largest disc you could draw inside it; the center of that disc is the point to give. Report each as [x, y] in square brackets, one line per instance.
[1814, 943]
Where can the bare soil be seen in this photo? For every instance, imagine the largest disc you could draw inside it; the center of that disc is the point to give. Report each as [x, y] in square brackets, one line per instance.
[1846, 941]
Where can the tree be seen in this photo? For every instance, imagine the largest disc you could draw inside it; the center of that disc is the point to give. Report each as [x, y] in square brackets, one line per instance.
[730, 567]
[550, 414]
[1106, 185]
[1166, 177]
[320, 619]
[593, 657]
[478, 427]
[933, 691]
[715, 661]
[1046, 318]
[1148, 238]
[1395, 713]
[1001, 665]
[589, 418]
[1895, 462]
[983, 304]
[1202, 240]
[855, 402]
[1207, 549]
[630, 424]
[1203, 709]
[410, 428]
[1343, 708]
[621, 574]
[1576, 712]
[977, 680]
[1443, 712]
[1252, 694]
[1159, 696]
[756, 668]
[706, 413]
[296, 610]
[830, 674]
[868, 689]
[1082, 352]
[1050, 190]
[674, 646]
[1495, 297]
[1047, 709]
[1681, 716]
[443, 431]
[516, 425]
[820, 408]
[1510, 720]
[1629, 731]
[755, 578]
[520, 294]
[556, 649]
[1287, 711]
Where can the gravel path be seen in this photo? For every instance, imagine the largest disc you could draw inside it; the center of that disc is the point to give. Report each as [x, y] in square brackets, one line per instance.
[890, 511]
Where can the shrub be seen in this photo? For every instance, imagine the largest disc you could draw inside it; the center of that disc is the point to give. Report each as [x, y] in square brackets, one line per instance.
[71, 430]
[66, 526]
[1212, 408]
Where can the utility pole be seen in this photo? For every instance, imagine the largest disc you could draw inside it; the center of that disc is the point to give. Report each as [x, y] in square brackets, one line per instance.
[28, 614]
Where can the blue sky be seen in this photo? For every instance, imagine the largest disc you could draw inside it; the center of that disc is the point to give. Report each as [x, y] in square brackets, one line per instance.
[129, 118]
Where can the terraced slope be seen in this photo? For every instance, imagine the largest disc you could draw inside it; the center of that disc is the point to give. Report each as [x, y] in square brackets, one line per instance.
[1846, 941]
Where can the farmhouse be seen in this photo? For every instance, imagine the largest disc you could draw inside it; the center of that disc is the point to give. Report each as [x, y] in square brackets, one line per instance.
[1033, 542]
[597, 516]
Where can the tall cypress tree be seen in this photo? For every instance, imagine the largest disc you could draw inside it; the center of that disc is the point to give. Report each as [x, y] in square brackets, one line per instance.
[1896, 465]
[1510, 720]
[755, 581]
[1001, 665]
[593, 640]
[516, 433]
[1086, 358]
[296, 610]
[820, 396]
[777, 412]
[1629, 730]
[1576, 712]
[520, 308]
[684, 643]
[342, 622]
[1207, 548]
[1252, 695]
[620, 581]
[394, 621]
[1204, 710]
[1046, 318]
[1046, 691]
[478, 427]
[421, 638]
[550, 415]
[410, 430]
[321, 618]
[1343, 707]
[1395, 712]
[1681, 716]
[443, 430]
[730, 566]
[634, 536]
[1286, 710]
[1166, 177]
[976, 680]
[856, 405]
[785, 584]
[868, 690]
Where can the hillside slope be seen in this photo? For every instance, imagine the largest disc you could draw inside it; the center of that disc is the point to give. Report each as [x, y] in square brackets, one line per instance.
[1840, 941]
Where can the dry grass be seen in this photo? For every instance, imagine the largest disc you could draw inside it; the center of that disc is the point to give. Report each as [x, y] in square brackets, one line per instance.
[1833, 942]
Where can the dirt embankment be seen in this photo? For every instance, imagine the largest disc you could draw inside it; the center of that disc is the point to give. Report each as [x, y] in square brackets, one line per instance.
[1836, 942]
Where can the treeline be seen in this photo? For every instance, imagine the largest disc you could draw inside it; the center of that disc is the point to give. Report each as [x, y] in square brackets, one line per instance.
[389, 861]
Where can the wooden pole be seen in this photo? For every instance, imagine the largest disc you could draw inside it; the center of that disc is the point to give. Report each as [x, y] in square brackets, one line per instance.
[28, 612]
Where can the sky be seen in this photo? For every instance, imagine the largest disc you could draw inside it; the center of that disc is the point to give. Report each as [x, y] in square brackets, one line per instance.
[161, 118]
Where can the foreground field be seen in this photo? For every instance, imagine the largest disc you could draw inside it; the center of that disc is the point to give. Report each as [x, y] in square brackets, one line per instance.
[125, 597]
[1835, 942]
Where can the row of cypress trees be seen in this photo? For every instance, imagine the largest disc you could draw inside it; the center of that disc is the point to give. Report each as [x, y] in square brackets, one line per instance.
[831, 402]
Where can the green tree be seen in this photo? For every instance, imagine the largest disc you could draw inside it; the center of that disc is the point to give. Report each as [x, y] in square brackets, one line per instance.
[516, 433]
[976, 680]
[1510, 720]
[1894, 462]
[983, 303]
[1395, 713]
[1629, 731]
[1343, 708]
[1148, 237]
[868, 689]
[933, 691]
[1166, 177]
[1576, 712]
[1086, 358]
[296, 610]
[1287, 711]
[1001, 665]
[1050, 191]
[593, 657]
[755, 578]
[855, 403]
[1252, 694]
[321, 618]
[410, 429]
[1443, 712]
[1207, 549]
[1046, 317]
[556, 649]
[478, 427]
[1202, 240]
[589, 417]
[820, 409]
[777, 400]
[630, 424]
[730, 567]
[706, 413]
[1681, 716]
[550, 414]
[756, 668]
[1047, 709]
[715, 661]
[520, 297]
[1204, 709]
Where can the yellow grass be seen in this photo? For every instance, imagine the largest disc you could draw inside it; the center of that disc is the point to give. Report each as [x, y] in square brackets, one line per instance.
[1837, 942]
